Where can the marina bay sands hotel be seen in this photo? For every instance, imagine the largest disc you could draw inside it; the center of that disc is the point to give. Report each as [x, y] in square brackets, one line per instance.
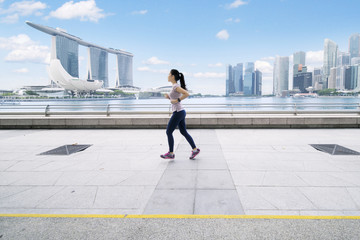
[64, 62]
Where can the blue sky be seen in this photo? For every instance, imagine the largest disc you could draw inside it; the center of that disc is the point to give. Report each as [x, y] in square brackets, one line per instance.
[197, 37]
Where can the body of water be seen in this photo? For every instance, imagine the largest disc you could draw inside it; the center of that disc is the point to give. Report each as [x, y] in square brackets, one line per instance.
[197, 104]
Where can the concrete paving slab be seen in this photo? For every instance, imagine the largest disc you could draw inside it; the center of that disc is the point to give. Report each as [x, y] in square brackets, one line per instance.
[178, 179]
[29, 198]
[330, 198]
[176, 201]
[214, 179]
[217, 202]
[134, 197]
[71, 197]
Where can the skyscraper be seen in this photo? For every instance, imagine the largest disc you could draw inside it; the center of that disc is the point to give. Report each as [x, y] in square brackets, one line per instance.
[347, 78]
[238, 77]
[248, 78]
[98, 65]
[124, 70]
[332, 78]
[355, 61]
[317, 79]
[299, 58]
[343, 59]
[355, 77]
[281, 75]
[257, 83]
[302, 81]
[354, 45]
[330, 57]
[229, 80]
[299, 61]
[67, 51]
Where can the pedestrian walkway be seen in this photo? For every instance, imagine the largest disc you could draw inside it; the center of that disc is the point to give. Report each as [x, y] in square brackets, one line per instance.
[238, 172]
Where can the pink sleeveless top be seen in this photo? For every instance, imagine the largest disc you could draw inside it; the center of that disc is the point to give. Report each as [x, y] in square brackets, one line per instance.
[175, 95]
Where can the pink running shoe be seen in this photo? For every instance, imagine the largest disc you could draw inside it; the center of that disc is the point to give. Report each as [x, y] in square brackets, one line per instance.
[168, 155]
[194, 153]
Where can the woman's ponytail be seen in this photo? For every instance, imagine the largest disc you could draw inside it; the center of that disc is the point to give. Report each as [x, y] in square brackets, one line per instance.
[182, 81]
[179, 76]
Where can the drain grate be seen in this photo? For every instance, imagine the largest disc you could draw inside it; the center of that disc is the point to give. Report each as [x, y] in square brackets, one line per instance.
[66, 149]
[334, 149]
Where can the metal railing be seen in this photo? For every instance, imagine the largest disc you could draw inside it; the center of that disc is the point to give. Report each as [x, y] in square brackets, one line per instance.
[126, 109]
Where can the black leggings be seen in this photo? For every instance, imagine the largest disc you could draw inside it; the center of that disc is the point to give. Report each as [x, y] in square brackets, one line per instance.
[178, 119]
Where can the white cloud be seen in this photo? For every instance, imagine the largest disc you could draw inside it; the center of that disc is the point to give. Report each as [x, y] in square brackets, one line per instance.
[209, 75]
[215, 65]
[236, 20]
[10, 18]
[147, 69]
[223, 35]
[315, 58]
[1, 1]
[85, 10]
[236, 4]
[23, 49]
[155, 61]
[264, 67]
[23, 8]
[141, 12]
[21, 70]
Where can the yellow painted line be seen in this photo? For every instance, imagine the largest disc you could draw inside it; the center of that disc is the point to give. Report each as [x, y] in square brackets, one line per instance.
[178, 216]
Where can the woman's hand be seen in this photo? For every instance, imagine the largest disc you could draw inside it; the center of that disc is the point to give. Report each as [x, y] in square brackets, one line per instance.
[174, 101]
[167, 96]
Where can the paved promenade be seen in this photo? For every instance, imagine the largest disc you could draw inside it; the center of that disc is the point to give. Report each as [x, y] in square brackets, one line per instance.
[197, 121]
[238, 172]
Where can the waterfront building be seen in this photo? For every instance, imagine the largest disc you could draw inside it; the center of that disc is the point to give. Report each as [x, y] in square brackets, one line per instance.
[98, 65]
[355, 61]
[257, 83]
[64, 62]
[67, 51]
[281, 75]
[230, 88]
[299, 61]
[124, 70]
[343, 59]
[249, 68]
[302, 80]
[330, 58]
[347, 78]
[317, 79]
[343, 78]
[355, 77]
[354, 45]
[332, 78]
[238, 77]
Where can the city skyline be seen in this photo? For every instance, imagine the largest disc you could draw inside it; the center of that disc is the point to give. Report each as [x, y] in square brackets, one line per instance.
[200, 44]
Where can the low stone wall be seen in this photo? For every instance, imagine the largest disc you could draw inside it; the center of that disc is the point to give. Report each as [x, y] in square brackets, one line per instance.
[192, 121]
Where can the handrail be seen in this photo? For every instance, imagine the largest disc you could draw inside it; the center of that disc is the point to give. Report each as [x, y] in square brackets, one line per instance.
[206, 108]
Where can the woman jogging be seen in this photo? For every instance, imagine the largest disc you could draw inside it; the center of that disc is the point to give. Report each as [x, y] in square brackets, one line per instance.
[176, 95]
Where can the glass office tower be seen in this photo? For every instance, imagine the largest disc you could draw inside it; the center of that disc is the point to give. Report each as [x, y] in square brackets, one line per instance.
[67, 51]
[257, 83]
[281, 75]
[230, 88]
[238, 77]
[248, 78]
[330, 57]
[354, 45]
